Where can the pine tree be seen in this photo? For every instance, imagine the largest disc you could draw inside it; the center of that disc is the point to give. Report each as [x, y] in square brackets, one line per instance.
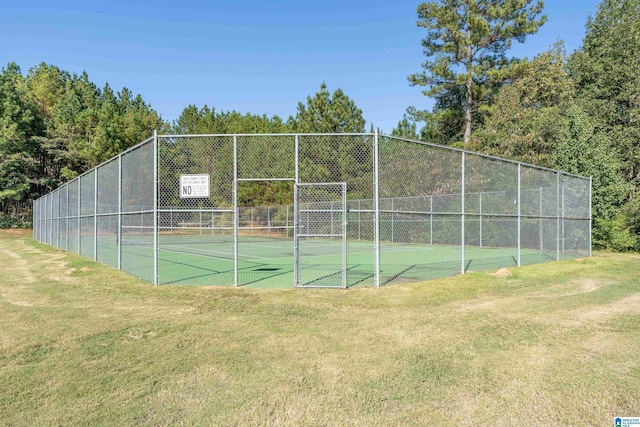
[466, 44]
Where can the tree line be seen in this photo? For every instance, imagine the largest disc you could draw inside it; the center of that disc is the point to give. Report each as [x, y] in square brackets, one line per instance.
[55, 125]
[578, 111]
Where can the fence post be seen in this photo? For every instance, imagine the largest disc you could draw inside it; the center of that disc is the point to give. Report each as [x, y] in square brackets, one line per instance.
[376, 197]
[79, 222]
[59, 216]
[119, 232]
[236, 216]
[462, 237]
[155, 207]
[49, 215]
[49, 220]
[296, 219]
[68, 237]
[95, 214]
[344, 235]
[557, 216]
[296, 242]
[55, 213]
[590, 213]
[519, 213]
[54, 219]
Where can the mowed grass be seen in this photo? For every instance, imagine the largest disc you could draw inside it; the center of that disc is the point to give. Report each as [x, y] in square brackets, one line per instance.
[83, 344]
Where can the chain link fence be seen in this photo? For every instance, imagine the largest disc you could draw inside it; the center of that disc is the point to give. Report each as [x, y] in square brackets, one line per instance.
[325, 210]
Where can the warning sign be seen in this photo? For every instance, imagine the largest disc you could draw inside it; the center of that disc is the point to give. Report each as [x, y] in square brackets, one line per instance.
[192, 186]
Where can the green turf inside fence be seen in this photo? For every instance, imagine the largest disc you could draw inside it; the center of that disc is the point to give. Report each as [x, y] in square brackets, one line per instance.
[264, 263]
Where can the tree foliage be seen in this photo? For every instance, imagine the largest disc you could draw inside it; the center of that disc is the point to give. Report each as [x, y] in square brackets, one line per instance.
[407, 129]
[328, 113]
[206, 120]
[53, 126]
[20, 123]
[466, 47]
[529, 114]
[540, 118]
[324, 112]
[606, 73]
[584, 150]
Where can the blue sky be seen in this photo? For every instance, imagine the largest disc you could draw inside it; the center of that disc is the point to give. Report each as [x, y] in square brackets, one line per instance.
[251, 56]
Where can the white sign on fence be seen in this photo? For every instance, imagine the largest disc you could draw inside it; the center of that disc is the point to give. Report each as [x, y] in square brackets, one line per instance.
[192, 186]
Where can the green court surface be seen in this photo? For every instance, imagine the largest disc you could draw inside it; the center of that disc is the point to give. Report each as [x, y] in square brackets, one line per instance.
[269, 263]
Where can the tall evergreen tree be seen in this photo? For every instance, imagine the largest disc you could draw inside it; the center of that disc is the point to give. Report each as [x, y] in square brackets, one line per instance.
[466, 44]
[329, 113]
[406, 128]
[47, 86]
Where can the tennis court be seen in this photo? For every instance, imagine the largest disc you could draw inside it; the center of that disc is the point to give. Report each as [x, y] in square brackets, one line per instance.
[313, 210]
[268, 262]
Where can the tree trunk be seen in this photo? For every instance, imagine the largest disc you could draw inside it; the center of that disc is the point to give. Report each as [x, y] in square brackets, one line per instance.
[467, 110]
[469, 91]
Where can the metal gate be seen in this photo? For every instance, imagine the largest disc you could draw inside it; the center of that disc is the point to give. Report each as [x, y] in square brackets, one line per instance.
[320, 247]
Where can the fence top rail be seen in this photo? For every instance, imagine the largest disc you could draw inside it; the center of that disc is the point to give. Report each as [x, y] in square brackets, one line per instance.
[201, 135]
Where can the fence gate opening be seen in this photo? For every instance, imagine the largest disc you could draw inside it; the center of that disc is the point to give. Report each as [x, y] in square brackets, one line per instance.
[320, 247]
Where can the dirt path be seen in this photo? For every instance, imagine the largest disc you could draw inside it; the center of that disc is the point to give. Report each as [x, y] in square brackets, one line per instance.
[21, 266]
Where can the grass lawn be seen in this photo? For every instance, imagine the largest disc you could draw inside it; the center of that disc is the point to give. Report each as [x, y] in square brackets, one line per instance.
[84, 344]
